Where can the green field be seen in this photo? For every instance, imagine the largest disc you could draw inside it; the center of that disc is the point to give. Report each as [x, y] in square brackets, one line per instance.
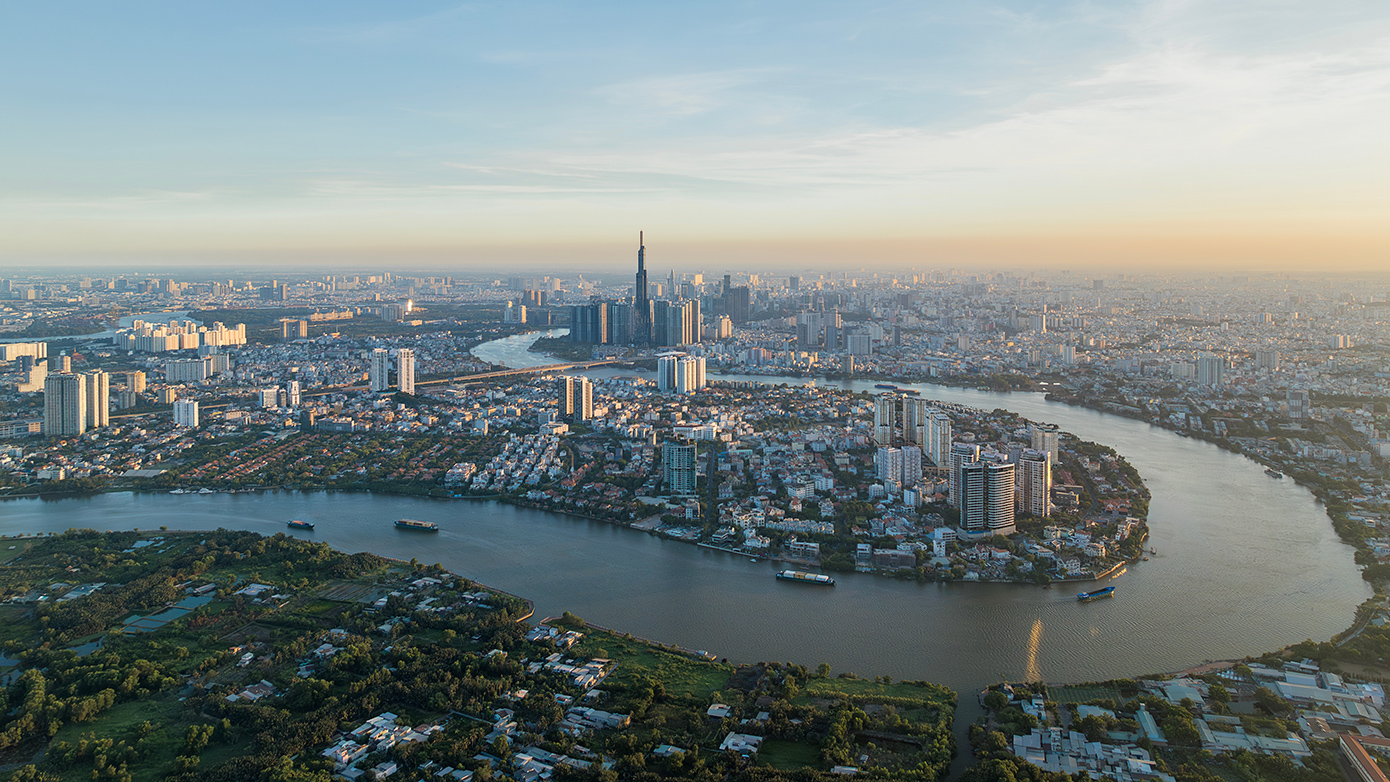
[1083, 694]
[789, 755]
[683, 676]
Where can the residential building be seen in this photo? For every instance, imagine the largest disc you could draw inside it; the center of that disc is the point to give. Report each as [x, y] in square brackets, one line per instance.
[379, 370]
[186, 413]
[1035, 483]
[678, 467]
[64, 405]
[405, 370]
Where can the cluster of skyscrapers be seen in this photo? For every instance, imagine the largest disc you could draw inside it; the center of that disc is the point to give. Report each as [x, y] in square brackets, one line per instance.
[987, 488]
[680, 374]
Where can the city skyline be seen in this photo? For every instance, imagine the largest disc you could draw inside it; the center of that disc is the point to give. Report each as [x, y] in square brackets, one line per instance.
[1144, 135]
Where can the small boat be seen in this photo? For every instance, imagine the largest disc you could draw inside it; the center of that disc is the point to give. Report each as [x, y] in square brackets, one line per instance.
[752, 559]
[912, 391]
[806, 578]
[205, 490]
[1099, 593]
[1273, 473]
[424, 526]
[297, 524]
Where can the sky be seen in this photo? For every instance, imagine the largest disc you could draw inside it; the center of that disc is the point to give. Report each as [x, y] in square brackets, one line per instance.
[1127, 134]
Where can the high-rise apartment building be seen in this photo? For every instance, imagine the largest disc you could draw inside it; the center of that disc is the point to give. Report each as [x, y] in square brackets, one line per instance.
[885, 419]
[292, 393]
[186, 413]
[135, 382]
[1267, 360]
[1211, 370]
[1035, 483]
[64, 405]
[960, 455]
[916, 420]
[1044, 438]
[940, 439]
[678, 467]
[888, 464]
[405, 370]
[1300, 407]
[987, 497]
[379, 370]
[577, 398]
[912, 466]
[97, 393]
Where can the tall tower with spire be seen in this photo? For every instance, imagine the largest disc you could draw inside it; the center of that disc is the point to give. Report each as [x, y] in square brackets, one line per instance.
[642, 306]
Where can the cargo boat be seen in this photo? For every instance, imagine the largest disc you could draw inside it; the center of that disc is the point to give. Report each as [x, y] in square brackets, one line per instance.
[426, 526]
[885, 387]
[806, 578]
[297, 524]
[1099, 593]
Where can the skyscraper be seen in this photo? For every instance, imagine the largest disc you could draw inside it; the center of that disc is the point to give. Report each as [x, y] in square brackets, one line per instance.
[885, 419]
[98, 399]
[64, 405]
[912, 466]
[1035, 483]
[961, 454]
[642, 315]
[888, 464]
[379, 370]
[678, 467]
[987, 497]
[1044, 438]
[1211, 369]
[577, 398]
[405, 370]
[186, 413]
[916, 420]
[940, 439]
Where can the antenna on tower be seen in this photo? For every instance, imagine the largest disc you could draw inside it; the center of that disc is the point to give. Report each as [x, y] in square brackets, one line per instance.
[639, 238]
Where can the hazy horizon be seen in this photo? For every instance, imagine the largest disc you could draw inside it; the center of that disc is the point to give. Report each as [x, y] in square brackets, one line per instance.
[1146, 135]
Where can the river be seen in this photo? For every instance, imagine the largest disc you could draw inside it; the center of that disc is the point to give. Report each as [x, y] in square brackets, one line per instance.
[1245, 564]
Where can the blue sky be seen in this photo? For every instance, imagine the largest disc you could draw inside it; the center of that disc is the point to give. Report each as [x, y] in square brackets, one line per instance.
[536, 131]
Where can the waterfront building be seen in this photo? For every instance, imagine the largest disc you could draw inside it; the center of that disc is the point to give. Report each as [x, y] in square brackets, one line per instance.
[987, 496]
[1035, 482]
[678, 467]
[186, 413]
[379, 370]
[64, 405]
[961, 454]
[405, 370]
[1044, 438]
[577, 398]
[589, 323]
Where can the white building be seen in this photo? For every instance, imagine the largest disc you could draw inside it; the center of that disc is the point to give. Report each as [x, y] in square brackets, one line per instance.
[379, 370]
[186, 413]
[405, 370]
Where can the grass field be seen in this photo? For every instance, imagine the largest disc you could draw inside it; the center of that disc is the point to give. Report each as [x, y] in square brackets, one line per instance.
[789, 755]
[867, 689]
[683, 676]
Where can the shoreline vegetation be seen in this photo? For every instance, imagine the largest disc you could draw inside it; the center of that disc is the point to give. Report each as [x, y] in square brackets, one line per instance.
[227, 655]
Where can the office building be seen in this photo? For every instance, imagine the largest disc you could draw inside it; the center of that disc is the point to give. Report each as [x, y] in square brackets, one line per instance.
[678, 468]
[885, 419]
[1035, 483]
[186, 413]
[641, 302]
[269, 397]
[960, 455]
[1044, 438]
[97, 395]
[577, 398]
[379, 370]
[987, 497]
[64, 405]
[405, 370]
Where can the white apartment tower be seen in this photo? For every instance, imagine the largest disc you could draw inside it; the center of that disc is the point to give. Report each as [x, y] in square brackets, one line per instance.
[577, 398]
[1045, 438]
[405, 370]
[987, 497]
[379, 370]
[678, 467]
[961, 454]
[186, 413]
[939, 442]
[916, 420]
[98, 399]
